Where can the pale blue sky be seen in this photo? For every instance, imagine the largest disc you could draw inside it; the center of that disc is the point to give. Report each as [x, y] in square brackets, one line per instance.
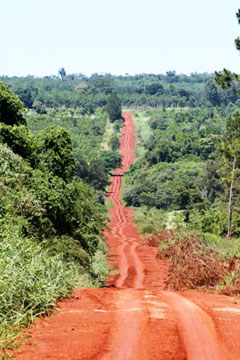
[117, 36]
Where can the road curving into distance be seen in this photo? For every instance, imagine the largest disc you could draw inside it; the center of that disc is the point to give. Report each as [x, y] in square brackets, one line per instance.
[133, 318]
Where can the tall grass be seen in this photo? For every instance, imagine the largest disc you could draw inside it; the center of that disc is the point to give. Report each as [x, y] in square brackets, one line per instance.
[143, 132]
[149, 221]
[31, 282]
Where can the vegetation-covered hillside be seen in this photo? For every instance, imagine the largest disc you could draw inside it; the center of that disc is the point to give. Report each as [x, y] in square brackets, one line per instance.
[182, 167]
[51, 221]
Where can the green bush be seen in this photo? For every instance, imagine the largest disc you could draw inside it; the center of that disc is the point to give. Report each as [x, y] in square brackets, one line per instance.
[11, 108]
[55, 152]
[18, 139]
[114, 142]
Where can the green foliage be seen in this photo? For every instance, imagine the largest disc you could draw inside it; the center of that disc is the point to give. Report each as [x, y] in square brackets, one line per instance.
[233, 127]
[11, 108]
[225, 78]
[68, 248]
[149, 220]
[32, 281]
[99, 267]
[55, 152]
[185, 167]
[211, 93]
[51, 231]
[178, 170]
[117, 125]
[111, 159]
[39, 107]
[19, 140]
[35, 280]
[114, 107]
[155, 88]
[114, 142]
[90, 93]
[25, 95]
[230, 148]
[86, 135]
[51, 225]
[98, 174]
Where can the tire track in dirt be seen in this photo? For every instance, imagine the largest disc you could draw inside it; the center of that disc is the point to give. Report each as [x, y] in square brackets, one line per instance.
[197, 329]
[131, 268]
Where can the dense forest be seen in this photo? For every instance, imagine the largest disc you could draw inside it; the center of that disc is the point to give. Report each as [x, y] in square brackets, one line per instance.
[88, 93]
[182, 168]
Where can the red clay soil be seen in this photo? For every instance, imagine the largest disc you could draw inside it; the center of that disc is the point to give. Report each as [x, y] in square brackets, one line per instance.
[133, 318]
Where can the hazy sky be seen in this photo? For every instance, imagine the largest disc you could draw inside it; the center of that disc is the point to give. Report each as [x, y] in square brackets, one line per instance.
[118, 36]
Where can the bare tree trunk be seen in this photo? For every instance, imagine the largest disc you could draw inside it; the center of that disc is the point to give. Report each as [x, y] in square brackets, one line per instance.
[230, 203]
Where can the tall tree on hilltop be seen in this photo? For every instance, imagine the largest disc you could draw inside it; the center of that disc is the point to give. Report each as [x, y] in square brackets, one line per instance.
[62, 73]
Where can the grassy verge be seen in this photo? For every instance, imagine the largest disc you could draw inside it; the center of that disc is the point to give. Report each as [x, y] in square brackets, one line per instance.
[108, 204]
[143, 131]
[150, 221]
[106, 137]
[32, 281]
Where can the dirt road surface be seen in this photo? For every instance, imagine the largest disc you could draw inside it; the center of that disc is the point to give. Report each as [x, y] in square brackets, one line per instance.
[133, 318]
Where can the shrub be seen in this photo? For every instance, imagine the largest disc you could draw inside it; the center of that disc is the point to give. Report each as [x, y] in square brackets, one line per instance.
[11, 108]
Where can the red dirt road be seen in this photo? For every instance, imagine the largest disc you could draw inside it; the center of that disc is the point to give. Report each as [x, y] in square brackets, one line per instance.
[134, 319]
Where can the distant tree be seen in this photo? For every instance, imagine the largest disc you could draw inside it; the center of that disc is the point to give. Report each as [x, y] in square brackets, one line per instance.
[185, 93]
[39, 107]
[62, 73]
[171, 73]
[25, 95]
[11, 108]
[172, 89]
[171, 76]
[158, 122]
[155, 89]
[114, 107]
[211, 93]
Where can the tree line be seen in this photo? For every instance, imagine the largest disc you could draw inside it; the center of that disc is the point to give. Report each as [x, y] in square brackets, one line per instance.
[144, 90]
